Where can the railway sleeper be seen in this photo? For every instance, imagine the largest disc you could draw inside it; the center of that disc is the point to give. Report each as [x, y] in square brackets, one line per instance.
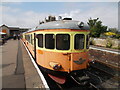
[84, 80]
[80, 77]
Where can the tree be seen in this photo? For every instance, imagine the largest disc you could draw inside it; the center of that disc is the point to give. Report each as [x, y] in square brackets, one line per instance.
[96, 27]
[114, 30]
[91, 22]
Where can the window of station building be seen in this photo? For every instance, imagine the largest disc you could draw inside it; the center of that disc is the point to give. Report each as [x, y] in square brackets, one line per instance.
[40, 40]
[49, 41]
[79, 41]
[87, 42]
[63, 41]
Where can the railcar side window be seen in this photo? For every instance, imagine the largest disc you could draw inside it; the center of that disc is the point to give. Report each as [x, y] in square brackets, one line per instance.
[79, 41]
[31, 39]
[26, 37]
[40, 40]
[49, 41]
[87, 41]
[63, 41]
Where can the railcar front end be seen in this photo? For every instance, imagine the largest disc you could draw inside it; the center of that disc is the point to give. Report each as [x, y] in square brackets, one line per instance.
[59, 47]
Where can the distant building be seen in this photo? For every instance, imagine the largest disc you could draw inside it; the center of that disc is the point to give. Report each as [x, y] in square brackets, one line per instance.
[10, 31]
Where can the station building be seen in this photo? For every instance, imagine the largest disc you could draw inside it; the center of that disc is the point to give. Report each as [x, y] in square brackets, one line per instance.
[10, 31]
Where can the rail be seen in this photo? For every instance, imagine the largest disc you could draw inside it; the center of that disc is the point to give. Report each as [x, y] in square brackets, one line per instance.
[105, 50]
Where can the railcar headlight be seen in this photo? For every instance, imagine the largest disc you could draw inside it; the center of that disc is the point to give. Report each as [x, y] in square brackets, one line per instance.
[55, 66]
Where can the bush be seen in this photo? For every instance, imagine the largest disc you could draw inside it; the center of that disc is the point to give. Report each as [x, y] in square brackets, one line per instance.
[117, 48]
[109, 43]
[117, 36]
[92, 42]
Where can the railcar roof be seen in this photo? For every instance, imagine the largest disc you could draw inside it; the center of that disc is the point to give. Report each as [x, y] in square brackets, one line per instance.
[30, 30]
[62, 24]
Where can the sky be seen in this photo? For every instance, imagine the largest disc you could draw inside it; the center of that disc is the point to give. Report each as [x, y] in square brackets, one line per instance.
[28, 14]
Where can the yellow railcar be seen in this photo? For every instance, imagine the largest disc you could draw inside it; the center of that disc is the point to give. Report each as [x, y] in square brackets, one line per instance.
[59, 47]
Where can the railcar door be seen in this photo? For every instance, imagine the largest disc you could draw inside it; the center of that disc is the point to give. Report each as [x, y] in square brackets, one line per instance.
[63, 45]
[79, 57]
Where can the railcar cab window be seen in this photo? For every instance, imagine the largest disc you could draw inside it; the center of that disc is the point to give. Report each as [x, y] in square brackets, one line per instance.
[40, 40]
[63, 41]
[49, 41]
[87, 42]
[79, 41]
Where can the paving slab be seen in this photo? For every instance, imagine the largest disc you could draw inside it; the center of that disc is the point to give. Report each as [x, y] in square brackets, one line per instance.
[18, 71]
[32, 77]
[10, 63]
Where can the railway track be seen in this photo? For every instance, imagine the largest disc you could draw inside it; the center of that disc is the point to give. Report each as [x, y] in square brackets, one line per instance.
[69, 85]
[100, 79]
[108, 77]
[105, 49]
[112, 71]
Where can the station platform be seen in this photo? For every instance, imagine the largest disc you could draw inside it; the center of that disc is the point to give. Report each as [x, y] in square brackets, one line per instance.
[18, 71]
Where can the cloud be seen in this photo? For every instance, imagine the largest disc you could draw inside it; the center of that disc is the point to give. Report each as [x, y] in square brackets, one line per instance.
[18, 17]
[108, 15]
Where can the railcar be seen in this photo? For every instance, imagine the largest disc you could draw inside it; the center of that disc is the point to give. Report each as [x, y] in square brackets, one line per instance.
[60, 48]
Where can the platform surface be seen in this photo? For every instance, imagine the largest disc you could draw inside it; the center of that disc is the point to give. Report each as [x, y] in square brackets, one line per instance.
[17, 69]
